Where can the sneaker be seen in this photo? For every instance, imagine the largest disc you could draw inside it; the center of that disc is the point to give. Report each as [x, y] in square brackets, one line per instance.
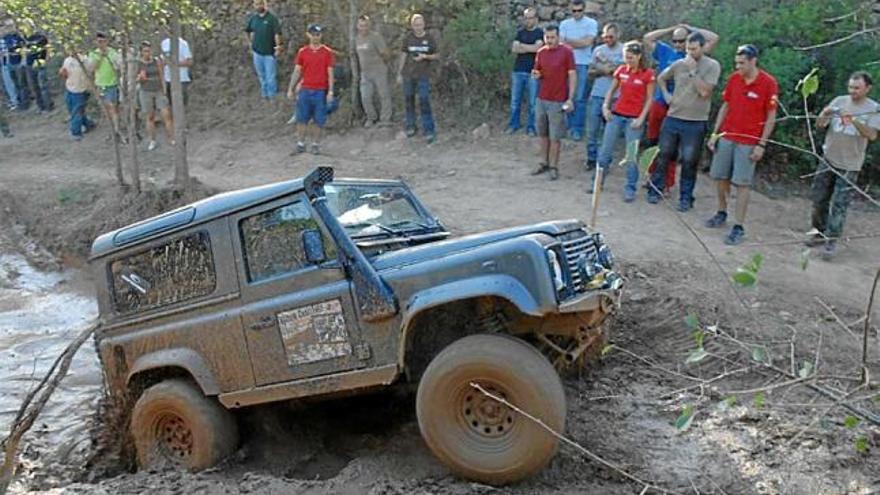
[575, 136]
[300, 147]
[292, 119]
[629, 196]
[540, 169]
[685, 205]
[152, 145]
[589, 165]
[829, 250]
[76, 138]
[815, 240]
[532, 133]
[718, 220]
[430, 138]
[315, 149]
[368, 123]
[554, 173]
[510, 131]
[410, 132]
[736, 235]
[653, 198]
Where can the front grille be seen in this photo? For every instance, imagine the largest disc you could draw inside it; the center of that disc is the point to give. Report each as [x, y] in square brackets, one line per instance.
[575, 245]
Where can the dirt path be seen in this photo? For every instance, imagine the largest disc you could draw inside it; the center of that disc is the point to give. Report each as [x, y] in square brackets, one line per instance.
[623, 410]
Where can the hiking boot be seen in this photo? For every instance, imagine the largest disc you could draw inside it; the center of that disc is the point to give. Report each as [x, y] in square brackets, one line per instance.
[152, 145]
[829, 250]
[430, 138]
[685, 205]
[554, 173]
[315, 149]
[652, 198]
[510, 131]
[532, 133]
[540, 169]
[590, 165]
[410, 132]
[629, 196]
[300, 147]
[718, 220]
[736, 235]
[368, 124]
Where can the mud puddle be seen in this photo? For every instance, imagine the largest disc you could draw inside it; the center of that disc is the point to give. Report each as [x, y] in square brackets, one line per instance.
[40, 313]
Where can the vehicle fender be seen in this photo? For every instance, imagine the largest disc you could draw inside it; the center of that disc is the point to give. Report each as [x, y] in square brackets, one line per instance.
[183, 358]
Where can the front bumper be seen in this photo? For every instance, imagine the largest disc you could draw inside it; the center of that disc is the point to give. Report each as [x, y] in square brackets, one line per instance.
[604, 300]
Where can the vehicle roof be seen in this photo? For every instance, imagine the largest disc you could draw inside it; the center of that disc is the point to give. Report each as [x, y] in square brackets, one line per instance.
[203, 210]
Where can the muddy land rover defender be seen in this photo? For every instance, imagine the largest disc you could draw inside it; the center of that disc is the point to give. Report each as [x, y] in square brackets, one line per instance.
[322, 287]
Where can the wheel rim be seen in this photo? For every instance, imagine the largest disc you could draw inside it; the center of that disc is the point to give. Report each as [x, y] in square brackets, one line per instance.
[174, 438]
[484, 418]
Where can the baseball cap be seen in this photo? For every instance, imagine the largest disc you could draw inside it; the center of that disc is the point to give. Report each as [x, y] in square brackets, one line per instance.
[315, 28]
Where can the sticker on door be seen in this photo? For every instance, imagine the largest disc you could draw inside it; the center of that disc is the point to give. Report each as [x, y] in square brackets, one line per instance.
[314, 333]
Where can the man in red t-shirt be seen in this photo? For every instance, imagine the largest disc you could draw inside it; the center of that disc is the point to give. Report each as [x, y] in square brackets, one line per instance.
[555, 69]
[314, 64]
[745, 122]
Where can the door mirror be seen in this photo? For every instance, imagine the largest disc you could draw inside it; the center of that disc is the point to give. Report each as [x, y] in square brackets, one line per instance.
[313, 246]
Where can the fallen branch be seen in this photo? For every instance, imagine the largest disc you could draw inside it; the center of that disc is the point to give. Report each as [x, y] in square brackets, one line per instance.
[839, 40]
[867, 328]
[645, 484]
[33, 405]
[825, 412]
[837, 318]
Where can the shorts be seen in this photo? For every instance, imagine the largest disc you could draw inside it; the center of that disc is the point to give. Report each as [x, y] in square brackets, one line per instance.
[550, 119]
[150, 101]
[731, 162]
[110, 94]
[311, 105]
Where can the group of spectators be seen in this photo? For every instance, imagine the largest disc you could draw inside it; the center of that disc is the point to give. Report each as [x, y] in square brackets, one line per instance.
[100, 71]
[648, 91]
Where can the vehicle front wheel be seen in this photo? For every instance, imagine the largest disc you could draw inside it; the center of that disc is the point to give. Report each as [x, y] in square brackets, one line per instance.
[175, 425]
[478, 437]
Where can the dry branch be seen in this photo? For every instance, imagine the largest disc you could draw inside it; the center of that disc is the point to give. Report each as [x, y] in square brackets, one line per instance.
[839, 40]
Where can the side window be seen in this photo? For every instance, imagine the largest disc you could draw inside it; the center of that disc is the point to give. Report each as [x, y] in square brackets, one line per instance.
[179, 270]
[272, 241]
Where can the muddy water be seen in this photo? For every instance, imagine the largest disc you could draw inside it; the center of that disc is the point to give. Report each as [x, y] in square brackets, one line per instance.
[40, 313]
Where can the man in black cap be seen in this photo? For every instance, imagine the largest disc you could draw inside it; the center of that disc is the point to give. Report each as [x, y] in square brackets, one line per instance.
[314, 66]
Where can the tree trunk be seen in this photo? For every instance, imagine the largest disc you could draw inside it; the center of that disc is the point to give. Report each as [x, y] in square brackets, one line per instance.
[181, 167]
[129, 85]
[353, 61]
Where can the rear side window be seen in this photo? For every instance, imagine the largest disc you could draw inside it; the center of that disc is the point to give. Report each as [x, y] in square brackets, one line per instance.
[272, 241]
[177, 271]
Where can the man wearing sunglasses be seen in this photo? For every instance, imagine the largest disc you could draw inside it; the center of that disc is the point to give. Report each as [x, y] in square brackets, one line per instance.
[664, 54]
[578, 32]
[745, 121]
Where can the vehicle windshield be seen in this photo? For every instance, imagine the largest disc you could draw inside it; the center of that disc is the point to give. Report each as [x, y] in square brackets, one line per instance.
[370, 209]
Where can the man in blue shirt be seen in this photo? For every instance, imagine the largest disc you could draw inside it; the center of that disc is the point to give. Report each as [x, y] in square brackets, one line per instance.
[606, 58]
[578, 32]
[10, 59]
[664, 54]
[528, 40]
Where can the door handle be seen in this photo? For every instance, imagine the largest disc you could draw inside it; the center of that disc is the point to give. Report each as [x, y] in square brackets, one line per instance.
[264, 322]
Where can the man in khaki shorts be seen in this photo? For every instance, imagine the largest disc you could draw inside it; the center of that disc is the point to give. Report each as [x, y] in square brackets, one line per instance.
[745, 122]
[151, 95]
[554, 67]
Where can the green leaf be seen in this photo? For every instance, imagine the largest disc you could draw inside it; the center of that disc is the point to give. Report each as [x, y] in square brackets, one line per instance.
[699, 337]
[806, 369]
[851, 422]
[757, 261]
[632, 152]
[760, 399]
[758, 354]
[648, 157]
[745, 277]
[809, 84]
[683, 422]
[731, 401]
[862, 445]
[607, 349]
[697, 356]
[805, 258]
[692, 321]
[727, 403]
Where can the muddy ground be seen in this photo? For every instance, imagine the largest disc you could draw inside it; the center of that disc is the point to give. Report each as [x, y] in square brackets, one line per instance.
[624, 409]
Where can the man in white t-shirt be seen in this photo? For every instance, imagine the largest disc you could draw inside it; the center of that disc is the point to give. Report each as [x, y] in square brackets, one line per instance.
[76, 93]
[578, 32]
[186, 60]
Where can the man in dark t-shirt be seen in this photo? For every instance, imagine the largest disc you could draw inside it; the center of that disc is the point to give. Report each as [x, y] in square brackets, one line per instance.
[264, 37]
[35, 70]
[418, 53]
[555, 68]
[528, 40]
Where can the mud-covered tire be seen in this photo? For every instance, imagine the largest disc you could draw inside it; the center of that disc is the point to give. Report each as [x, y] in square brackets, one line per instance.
[175, 425]
[477, 437]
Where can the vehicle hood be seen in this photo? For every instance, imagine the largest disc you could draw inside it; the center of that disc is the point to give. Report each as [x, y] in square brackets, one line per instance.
[443, 248]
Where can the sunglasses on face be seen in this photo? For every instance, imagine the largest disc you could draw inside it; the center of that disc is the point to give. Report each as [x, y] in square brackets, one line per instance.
[576, 11]
[748, 51]
[680, 41]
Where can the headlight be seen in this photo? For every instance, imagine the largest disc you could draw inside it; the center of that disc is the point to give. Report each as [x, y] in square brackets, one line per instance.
[556, 270]
[604, 256]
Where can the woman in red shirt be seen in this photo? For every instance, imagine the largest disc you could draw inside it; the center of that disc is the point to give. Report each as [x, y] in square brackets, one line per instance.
[625, 110]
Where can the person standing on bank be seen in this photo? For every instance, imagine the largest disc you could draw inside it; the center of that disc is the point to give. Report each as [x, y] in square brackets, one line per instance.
[607, 57]
[555, 68]
[264, 37]
[528, 40]
[314, 64]
[414, 72]
[684, 127]
[745, 121]
[578, 32]
[76, 93]
[852, 121]
[151, 95]
[626, 116]
[371, 52]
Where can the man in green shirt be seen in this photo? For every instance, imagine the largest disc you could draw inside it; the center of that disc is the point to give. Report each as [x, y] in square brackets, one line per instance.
[264, 36]
[106, 64]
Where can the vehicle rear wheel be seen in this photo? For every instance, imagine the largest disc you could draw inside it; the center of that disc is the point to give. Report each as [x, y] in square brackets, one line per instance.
[480, 438]
[175, 425]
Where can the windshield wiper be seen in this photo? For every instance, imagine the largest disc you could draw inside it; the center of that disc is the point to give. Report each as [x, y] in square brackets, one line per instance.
[378, 225]
[420, 224]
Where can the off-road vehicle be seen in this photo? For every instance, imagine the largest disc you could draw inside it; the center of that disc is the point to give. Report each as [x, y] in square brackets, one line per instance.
[321, 287]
